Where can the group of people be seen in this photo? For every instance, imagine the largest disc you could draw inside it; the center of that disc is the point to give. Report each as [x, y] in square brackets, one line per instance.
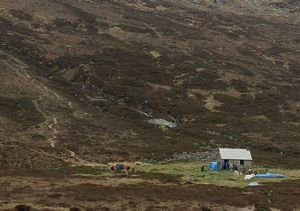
[243, 171]
[121, 167]
[233, 167]
[229, 166]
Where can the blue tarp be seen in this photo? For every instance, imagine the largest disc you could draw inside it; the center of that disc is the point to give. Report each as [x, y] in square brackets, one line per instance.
[120, 167]
[213, 166]
[269, 176]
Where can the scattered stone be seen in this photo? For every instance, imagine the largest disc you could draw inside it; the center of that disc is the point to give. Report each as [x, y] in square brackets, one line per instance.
[162, 122]
[193, 156]
[253, 184]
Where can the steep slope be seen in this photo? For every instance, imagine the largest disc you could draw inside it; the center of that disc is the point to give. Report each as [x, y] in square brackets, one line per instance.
[81, 79]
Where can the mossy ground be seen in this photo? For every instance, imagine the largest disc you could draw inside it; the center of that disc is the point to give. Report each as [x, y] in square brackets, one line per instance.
[191, 172]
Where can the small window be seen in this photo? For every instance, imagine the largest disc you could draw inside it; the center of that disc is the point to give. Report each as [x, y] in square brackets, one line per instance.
[241, 162]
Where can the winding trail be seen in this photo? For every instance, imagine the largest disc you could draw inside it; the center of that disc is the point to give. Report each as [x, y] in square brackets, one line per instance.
[19, 67]
[51, 121]
[51, 127]
[38, 108]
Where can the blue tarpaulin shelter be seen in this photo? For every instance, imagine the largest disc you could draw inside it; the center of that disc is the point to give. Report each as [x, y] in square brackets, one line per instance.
[213, 166]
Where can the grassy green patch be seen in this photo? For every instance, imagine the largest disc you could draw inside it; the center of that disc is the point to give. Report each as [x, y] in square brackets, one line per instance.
[191, 172]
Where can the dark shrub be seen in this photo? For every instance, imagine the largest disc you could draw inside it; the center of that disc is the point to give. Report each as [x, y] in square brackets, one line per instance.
[204, 208]
[23, 207]
[75, 209]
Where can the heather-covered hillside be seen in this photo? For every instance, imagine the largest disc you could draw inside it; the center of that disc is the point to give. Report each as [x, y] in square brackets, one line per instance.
[83, 81]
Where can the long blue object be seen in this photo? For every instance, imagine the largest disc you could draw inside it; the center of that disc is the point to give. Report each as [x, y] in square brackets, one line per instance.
[269, 176]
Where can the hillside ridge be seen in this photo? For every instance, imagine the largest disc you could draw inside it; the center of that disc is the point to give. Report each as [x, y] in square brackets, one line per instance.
[89, 82]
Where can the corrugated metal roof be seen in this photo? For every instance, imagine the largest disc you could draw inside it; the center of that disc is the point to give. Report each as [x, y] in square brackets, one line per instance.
[235, 154]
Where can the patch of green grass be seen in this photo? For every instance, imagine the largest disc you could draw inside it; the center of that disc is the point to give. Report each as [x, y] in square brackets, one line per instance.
[191, 172]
